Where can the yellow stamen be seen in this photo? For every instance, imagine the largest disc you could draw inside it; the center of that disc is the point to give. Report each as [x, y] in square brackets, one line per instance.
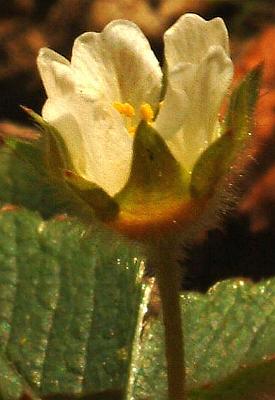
[146, 112]
[132, 130]
[124, 109]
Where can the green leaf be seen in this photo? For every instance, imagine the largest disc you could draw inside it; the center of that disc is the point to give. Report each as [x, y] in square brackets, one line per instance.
[22, 184]
[72, 307]
[219, 158]
[70, 304]
[230, 345]
[12, 385]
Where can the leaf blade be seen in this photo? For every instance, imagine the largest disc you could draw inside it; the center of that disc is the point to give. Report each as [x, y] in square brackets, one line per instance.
[65, 301]
[228, 342]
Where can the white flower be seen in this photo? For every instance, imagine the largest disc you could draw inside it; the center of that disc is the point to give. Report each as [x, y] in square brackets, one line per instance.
[114, 80]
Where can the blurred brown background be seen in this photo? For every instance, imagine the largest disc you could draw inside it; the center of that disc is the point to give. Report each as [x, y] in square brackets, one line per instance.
[246, 246]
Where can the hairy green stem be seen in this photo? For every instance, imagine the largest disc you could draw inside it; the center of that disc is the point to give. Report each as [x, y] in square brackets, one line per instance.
[168, 278]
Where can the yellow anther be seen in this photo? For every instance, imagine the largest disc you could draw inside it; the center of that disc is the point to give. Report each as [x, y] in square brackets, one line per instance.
[146, 112]
[132, 130]
[124, 109]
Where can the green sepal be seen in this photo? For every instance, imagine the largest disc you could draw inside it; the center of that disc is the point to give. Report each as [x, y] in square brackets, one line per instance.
[217, 160]
[54, 151]
[49, 156]
[29, 151]
[103, 205]
[243, 100]
[155, 174]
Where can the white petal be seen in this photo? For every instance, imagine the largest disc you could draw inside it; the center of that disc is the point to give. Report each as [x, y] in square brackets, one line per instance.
[109, 147]
[117, 65]
[57, 113]
[196, 103]
[176, 101]
[55, 73]
[190, 38]
[97, 139]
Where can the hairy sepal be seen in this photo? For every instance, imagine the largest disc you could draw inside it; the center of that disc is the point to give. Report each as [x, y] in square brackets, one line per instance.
[49, 156]
[156, 196]
[223, 155]
[104, 206]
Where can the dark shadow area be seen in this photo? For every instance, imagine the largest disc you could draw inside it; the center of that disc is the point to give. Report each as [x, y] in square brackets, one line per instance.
[233, 252]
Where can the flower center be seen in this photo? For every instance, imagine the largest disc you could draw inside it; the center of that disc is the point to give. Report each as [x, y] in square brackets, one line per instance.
[127, 110]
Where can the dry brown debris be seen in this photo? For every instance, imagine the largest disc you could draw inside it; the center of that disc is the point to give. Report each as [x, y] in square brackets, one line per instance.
[153, 17]
[10, 129]
[254, 52]
[259, 203]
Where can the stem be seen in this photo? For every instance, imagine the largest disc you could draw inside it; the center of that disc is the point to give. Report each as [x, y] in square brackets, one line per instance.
[168, 278]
